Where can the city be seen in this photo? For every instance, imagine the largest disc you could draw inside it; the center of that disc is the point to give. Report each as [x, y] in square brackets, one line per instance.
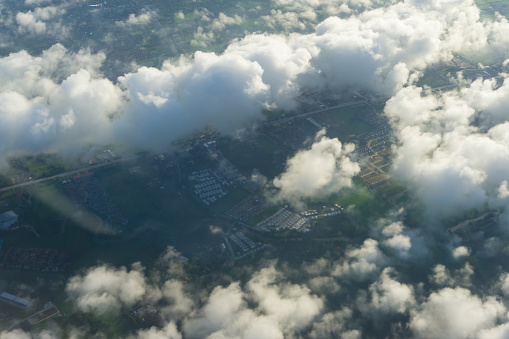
[268, 169]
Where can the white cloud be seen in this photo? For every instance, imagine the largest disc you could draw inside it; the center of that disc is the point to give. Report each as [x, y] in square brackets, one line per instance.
[460, 277]
[39, 114]
[48, 12]
[387, 296]
[142, 19]
[460, 252]
[333, 323]
[278, 309]
[504, 284]
[396, 240]
[169, 331]
[16, 334]
[225, 314]
[323, 169]
[179, 304]
[284, 61]
[29, 23]
[441, 276]
[201, 38]
[104, 289]
[361, 263]
[179, 15]
[453, 165]
[454, 313]
[224, 20]
[226, 91]
[36, 2]
[287, 20]
[291, 305]
[379, 49]
[499, 332]
[39, 21]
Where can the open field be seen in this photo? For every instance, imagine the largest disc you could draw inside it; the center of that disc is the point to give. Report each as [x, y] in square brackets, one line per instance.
[490, 7]
[228, 201]
[344, 123]
[433, 78]
[261, 153]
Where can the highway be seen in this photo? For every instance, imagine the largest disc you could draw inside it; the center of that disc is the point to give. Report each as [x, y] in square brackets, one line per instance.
[346, 104]
[113, 162]
[77, 171]
[161, 29]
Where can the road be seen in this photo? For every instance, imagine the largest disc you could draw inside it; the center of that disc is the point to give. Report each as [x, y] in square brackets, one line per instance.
[346, 104]
[161, 29]
[91, 167]
[435, 89]
[83, 169]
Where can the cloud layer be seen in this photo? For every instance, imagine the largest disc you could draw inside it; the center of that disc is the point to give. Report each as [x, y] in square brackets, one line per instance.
[380, 49]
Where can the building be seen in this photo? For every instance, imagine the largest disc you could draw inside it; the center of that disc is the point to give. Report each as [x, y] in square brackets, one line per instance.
[14, 300]
[7, 219]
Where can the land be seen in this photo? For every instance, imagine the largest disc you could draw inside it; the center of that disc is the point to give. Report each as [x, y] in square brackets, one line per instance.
[122, 209]
[197, 196]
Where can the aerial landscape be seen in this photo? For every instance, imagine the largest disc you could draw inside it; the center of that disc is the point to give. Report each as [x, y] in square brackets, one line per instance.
[257, 169]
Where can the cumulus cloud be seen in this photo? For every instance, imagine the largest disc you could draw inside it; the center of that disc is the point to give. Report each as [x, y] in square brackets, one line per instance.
[29, 23]
[451, 147]
[36, 2]
[460, 277]
[225, 314]
[142, 19]
[460, 252]
[504, 284]
[441, 276]
[287, 20]
[267, 307]
[80, 104]
[156, 106]
[179, 303]
[292, 305]
[179, 15]
[386, 296]
[16, 334]
[224, 20]
[455, 313]
[285, 60]
[226, 91]
[310, 9]
[169, 331]
[361, 263]
[396, 240]
[499, 332]
[201, 38]
[41, 20]
[323, 169]
[453, 164]
[105, 289]
[379, 49]
[279, 309]
[41, 113]
[333, 323]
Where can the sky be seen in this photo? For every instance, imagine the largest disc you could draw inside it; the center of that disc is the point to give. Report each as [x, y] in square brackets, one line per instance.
[451, 149]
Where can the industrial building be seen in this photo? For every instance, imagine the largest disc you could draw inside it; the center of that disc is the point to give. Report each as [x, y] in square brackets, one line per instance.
[14, 300]
[7, 219]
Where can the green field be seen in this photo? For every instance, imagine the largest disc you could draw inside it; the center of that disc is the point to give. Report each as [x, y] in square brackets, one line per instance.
[434, 78]
[490, 7]
[228, 201]
[259, 153]
[344, 122]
